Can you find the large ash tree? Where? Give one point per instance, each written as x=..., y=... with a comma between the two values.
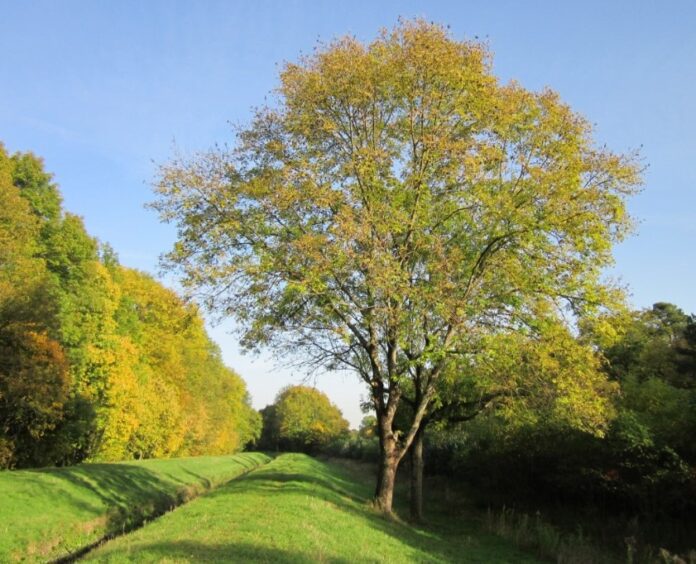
x=392, y=206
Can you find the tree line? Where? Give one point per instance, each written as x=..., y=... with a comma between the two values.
x=98, y=361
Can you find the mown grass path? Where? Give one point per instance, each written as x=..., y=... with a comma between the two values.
x=298, y=509
x=51, y=513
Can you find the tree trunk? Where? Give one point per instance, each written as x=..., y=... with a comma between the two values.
x=416, y=453
x=380, y=466
x=388, y=464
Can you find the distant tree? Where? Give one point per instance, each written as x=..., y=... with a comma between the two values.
x=396, y=202
x=304, y=419
x=368, y=427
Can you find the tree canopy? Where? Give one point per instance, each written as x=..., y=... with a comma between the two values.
x=395, y=206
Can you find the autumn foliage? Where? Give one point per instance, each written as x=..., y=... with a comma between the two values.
x=97, y=360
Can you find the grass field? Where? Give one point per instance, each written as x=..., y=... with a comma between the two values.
x=50, y=513
x=299, y=509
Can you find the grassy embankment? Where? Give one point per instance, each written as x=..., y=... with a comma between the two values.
x=299, y=509
x=50, y=513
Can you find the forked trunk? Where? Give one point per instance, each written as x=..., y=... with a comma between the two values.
x=416, y=453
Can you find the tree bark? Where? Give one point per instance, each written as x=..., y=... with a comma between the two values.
x=416, y=454
x=388, y=464
x=389, y=459
x=392, y=450
x=380, y=466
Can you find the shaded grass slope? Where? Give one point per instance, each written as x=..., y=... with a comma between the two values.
x=299, y=509
x=50, y=513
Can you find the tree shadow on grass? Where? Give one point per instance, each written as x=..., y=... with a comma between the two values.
x=126, y=485
x=101, y=500
x=101, y=488
x=189, y=551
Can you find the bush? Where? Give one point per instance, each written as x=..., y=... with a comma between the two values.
x=356, y=447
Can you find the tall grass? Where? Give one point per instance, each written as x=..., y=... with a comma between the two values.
x=531, y=532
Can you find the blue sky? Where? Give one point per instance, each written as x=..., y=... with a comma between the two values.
x=104, y=90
